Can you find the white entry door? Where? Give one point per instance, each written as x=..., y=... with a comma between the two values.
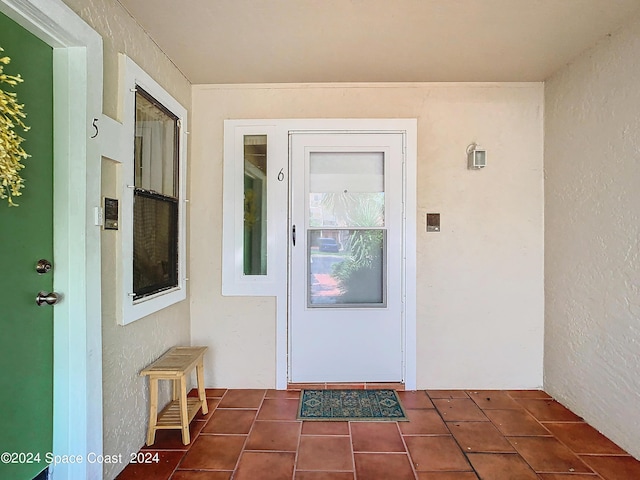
x=345, y=286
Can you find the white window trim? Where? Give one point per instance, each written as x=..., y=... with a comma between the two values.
x=235, y=282
x=133, y=310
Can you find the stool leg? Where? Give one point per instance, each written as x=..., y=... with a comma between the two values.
x=184, y=414
x=175, y=391
x=153, y=410
x=202, y=394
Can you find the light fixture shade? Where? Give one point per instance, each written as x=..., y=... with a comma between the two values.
x=477, y=157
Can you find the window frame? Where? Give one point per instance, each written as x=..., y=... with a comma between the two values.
x=135, y=309
x=234, y=280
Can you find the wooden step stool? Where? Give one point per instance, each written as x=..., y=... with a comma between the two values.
x=176, y=365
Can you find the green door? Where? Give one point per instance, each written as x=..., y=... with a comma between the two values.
x=26, y=236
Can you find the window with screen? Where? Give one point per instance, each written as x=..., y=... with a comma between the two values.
x=155, y=204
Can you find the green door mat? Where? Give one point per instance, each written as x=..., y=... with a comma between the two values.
x=349, y=404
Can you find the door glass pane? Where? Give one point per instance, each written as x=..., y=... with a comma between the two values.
x=346, y=268
x=346, y=189
x=255, y=205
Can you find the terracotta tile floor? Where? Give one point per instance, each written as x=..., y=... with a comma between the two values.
x=451, y=435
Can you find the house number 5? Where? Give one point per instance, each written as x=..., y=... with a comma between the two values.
x=95, y=127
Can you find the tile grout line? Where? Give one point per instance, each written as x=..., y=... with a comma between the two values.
x=196, y=437
x=406, y=447
x=177, y=467
x=552, y=435
x=560, y=441
x=507, y=438
x=295, y=458
x=353, y=453
x=466, y=457
x=246, y=440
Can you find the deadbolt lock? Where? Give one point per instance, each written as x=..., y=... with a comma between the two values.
x=43, y=266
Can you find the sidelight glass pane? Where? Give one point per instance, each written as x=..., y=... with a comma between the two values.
x=346, y=189
x=346, y=268
x=255, y=205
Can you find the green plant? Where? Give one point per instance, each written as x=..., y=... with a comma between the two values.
x=360, y=273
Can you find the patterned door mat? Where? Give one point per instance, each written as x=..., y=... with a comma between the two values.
x=350, y=404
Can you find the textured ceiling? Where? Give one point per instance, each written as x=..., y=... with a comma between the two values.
x=266, y=41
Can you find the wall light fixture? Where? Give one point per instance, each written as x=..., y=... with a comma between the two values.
x=476, y=156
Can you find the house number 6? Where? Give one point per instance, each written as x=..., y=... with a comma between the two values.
x=281, y=175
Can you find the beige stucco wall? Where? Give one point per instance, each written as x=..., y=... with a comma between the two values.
x=480, y=280
x=592, y=232
x=127, y=349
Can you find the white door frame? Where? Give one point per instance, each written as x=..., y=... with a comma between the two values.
x=382, y=359
x=409, y=128
x=77, y=350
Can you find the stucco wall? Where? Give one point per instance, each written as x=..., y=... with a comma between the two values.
x=480, y=280
x=592, y=232
x=126, y=350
